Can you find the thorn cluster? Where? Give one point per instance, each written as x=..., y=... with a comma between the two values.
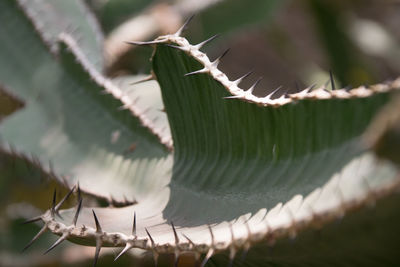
x=211, y=67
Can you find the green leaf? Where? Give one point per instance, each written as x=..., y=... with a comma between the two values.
x=51, y=17
x=70, y=122
x=246, y=156
x=246, y=175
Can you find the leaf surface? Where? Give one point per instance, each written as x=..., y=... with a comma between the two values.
x=245, y=173
x=76, y=130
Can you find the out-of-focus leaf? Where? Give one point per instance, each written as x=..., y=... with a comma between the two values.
x=51, y=17
x=70, y=122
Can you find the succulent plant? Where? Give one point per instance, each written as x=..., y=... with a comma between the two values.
x=190, y=163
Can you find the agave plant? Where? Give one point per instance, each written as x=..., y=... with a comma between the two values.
x=191, y=163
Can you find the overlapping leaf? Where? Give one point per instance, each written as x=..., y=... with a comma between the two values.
x=242, y=174
x=76, y=130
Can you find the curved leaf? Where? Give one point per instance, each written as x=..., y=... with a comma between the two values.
x=247, y=175
x=50, y=18
x=70, y=122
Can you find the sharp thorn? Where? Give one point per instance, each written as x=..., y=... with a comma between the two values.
x=237, y=81
x=200, y=45
x=175, y=234
x=34, y=219
x=297, y=87
x=155, y=254
x=207, y=257
x=189, y=240
x=211, y=234
x=332, y=80
x=251, y=89
x=78, y=209
x=224, y=54
x=309, y=89
x=97, y=252
x=173, y=46
x=145, y=79
x=184, y=26
x=53, y=205
x=79, y=192
x=204, y=70
x=61, y=239
x=218, y=60
x=178, y=47
x=232, y=251
x=233, y=97
x=98, y=227
x=44, y=228
x=57, y=208
x=144, y=43
x=276, y=90
x=127, y=247
x=151, y=239
x=134, y=224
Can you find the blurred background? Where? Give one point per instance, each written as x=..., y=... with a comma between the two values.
x=292, y=44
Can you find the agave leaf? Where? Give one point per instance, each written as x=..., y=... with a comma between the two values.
x=245, y=170
x=74, y=17
x=246, y=175
x=76, y=131
x=146, y=94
